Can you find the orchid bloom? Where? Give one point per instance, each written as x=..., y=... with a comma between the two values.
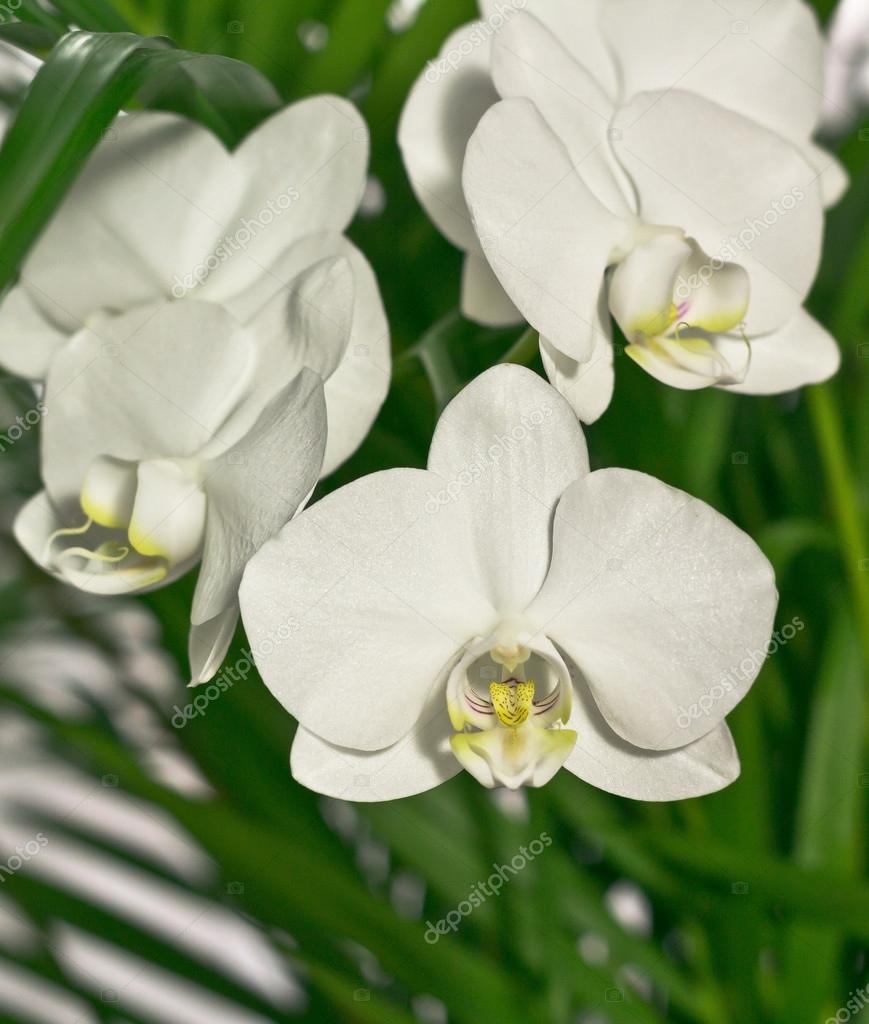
x=509, y=612
x=567, y=148
x=190, y=425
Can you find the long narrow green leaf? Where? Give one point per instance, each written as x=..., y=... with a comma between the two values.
x=828, y=818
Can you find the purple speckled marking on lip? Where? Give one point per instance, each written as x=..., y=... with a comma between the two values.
x=682, y=309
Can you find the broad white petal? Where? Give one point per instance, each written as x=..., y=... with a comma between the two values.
x=305, y=325
x=145, y=211
x=357, y=387
x=603, y=759
x=483, y=297
x=746, y=195
x=29, y=334
x=659, y=600
x=442, y=111
x=763, y=61
x=546, y=236
x=302, y=171
x=507, y=447
x=801, y=353
x=258, y=485
x=208, y=643
x=158, y=382
x=529, y=62
x=355, y=609
x=418, y=762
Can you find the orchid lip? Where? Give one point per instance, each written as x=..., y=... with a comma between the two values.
x=512, y=734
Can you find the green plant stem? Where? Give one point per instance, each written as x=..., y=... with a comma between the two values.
x=829, y=434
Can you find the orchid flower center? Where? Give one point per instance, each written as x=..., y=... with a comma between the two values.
x=142, y=520
x=508, y=733
x=681, y=310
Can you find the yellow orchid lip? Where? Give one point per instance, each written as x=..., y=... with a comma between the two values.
x=513, y=735
x=512, y=700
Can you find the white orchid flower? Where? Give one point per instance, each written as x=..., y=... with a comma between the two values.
x=210, y=345
x=509, y=612
x=557, y=142
x=170, y=435
x=162, y=212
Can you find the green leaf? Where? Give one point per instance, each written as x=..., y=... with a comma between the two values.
x=73, y=99
x=828, y=816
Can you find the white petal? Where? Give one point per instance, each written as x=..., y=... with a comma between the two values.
x=208, y=643
x=605, y=760
x=108, y=492
x=832, y=176
x=145, y=209
x=667, y=362
x=153, y=383
x=483, y=297
x=39, y=519
x=529, y=62
x=744, y=194
x=31, y=332
x=507, y=447
x=763, y=61
x=418, y=762
x=442, y=111
x=642, y=286
x=588, y=386
x=711, y=296
x=355, y=609
x=660, y=602
x=257, y=486
x=575, y=24
x=303, y=170
x=308, y=325
x=801, y=353
x=356, y=389
x=527, y=756
x=544, y=233
x=168, y=516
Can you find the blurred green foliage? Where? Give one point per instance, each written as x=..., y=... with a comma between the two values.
x=759, y=894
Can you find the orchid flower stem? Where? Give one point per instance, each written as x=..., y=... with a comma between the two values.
x=433, y=354
x=830, y=437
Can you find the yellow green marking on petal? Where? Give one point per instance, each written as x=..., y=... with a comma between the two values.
x=512, y=701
